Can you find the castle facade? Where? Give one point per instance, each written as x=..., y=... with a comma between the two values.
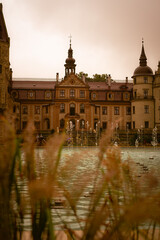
x=55, y=104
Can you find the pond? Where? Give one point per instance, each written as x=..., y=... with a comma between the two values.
x=146, y=159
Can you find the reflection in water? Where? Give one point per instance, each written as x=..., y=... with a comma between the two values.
x=145, y=160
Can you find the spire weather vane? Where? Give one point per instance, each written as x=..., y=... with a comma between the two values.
x=70, y=38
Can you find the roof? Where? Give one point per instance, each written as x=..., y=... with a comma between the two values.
x=23, y=83
x=30, y=84
x=118, y=86
x=3, y=30
x=143, y=71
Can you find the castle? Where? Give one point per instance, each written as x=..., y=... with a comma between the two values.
x=53, y=104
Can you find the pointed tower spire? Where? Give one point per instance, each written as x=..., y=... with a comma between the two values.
x=70, y=61
x=143, y=59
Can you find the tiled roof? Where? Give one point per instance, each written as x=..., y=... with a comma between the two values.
x=114, y=86
x=30, y=84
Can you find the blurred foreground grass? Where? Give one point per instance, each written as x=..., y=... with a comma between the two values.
x=121, y=205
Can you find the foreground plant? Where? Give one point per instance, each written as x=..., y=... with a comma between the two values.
x=121, y=205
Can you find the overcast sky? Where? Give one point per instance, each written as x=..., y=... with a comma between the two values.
x=106, y=35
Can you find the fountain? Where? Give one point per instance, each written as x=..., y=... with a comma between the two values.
x=127, y=131
x=140, y=134
x=69, y=131
x=77, y=138
x=87, y=123
x=82, y=133
x=154, y=137
x=136, y=143
x=97, y=132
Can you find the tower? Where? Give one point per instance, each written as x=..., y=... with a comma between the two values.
x=70, y=62
x=156, y=92
x=143, y=100
x=5, y=71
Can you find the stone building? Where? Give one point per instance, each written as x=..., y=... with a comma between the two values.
x=6, y=102
x=54, y=104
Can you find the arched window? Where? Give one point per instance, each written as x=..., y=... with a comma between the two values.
x=72, y=109
x=82, y=123
x=47, y=123
x=82, y=108
x=62, y=108
x=14, y=108
x=62, y=123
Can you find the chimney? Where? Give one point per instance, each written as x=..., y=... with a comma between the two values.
x=109, y=80
x=84, y=78
x=57, y=77
x=126, y=80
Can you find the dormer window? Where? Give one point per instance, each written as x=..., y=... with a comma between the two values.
x=110, y=96
x=30, y=94
x=94, y=95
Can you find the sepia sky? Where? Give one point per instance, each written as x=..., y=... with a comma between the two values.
x=106, y=35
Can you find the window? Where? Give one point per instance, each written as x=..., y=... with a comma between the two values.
x=146, y=124
x=135, y=94
x=82, y=123
x=116, y=110
x=62, y=108
x=46, y=109
x=134, y=80
x=72, y=92
x=14, y=108
x=72, y=109
x=62, y=123
x=104, y=125
x=94, y=95
x=145, y=79
x=30, y=94
x=37, y=125
x=25, y=109
x=134, y=109
x=133, y=124
x=47, y=123
x=96, y=108
x=110, y=95
x=37, y=109
x=82, y=108
x=48, y=94
x=145, y=93
x=24, y=124
x=128, y=110
x=0, y=68
x=62, y=93
x=104, y=110
x=146, y=108
x=82, y=93
x=125, y=96
x=128, y=125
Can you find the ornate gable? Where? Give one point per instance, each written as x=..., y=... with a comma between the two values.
x=72, y=80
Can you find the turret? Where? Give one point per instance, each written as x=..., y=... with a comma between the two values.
x=70, y=62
